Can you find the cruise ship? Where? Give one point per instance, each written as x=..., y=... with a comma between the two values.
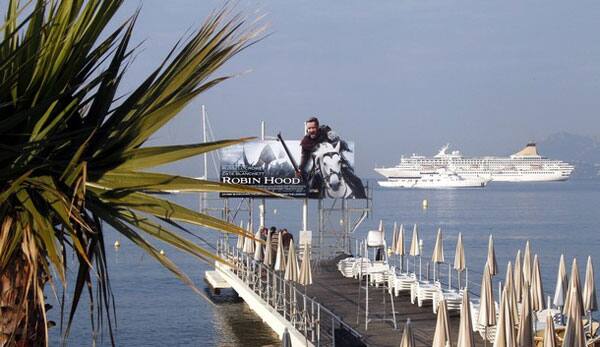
x=524, y=166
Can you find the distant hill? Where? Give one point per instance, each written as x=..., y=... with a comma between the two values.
x=582, y=151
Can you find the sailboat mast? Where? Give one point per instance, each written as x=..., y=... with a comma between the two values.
x=204, y=139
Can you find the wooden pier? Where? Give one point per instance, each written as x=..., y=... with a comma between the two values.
x=341, y=295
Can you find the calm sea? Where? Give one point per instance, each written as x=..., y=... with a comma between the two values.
x=155, y=309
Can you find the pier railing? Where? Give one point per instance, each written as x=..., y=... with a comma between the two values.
x=309, y=317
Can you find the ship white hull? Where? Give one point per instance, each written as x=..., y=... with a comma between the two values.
x=418, y=184
x=516, y=178
x=439, y=179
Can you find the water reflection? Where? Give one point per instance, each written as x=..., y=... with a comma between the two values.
x=236, y=324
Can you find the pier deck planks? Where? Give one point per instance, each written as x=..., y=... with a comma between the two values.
x=340, y=295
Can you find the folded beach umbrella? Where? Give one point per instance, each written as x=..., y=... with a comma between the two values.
x=465, y=327
x=574, y=285
x=305, y=276
x=258, y=248
x=590, y=302
x=549, y=334
x=527, y=264
x=414, y=243
x=291, y=269
x=380, y=225
x=280, y=256
x=408, y=339
x=487, y=306
x=505, y=330
x=518, y=277
x=268, y=259
x=240, y=240
x=460, y=262
x=438, y=253
x=525, y=334
x=510, y=292
x=537, y=291
x=414, y=249
x=562, y=282
x=574, y=334
x=441, y=337
x=438, y=249
x=399, y=246
x=248, y=241
x=491, y=257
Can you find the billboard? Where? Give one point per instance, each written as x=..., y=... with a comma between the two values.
x=328, y=172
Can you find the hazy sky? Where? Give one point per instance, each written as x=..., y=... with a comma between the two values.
x=397, y=76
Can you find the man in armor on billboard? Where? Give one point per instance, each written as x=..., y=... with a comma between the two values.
x=322, y=149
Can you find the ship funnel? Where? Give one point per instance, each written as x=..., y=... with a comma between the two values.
x=529, y=151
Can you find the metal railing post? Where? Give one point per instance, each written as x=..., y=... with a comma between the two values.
x=312, y=320
x=268, y=287
x=333, y=331
x=304, y=301
x=284, y=299
x=318, y=324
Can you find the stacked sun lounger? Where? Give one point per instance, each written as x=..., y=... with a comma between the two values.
x=422, y=291
x=378, y=273
x=453, y=299
x=348, y=266
x=400, y=282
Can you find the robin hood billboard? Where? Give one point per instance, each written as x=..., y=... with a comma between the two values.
x=326, y=173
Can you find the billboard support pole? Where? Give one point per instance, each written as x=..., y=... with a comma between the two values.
x=320, y=227
x=250, y=214
x=261, y=204
x=305, y=214
x=345, y=225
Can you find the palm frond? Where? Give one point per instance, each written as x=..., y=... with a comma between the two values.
x=73, y=155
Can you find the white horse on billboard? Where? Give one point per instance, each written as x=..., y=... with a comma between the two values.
x=329, y=162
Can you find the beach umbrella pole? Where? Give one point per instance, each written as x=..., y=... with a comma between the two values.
x=485, y=337
x=284, y=298
x=358, y=301
x=402, y=263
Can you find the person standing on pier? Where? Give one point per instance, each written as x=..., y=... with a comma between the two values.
x=286, y=237
x=274, y=241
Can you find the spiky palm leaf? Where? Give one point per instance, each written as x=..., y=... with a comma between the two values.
x=72, y=156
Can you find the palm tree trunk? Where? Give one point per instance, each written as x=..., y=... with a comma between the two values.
x=21, y=319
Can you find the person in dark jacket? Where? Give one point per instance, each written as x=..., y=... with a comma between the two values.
x=286, y=237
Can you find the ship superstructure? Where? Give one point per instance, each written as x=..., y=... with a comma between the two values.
x=524, y=166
